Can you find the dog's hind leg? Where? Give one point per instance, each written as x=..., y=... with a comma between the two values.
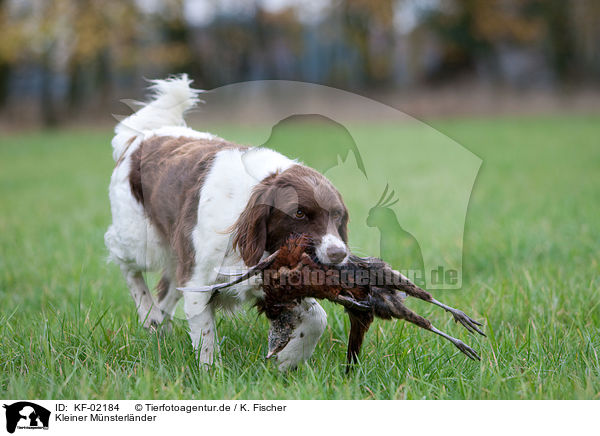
x=168, y=296
x=149, y=313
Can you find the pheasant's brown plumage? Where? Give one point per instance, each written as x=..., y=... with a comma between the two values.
x=295, y=274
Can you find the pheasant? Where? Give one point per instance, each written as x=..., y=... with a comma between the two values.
x=366, y=286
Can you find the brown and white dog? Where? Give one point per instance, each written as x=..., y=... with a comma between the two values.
x=189, y=204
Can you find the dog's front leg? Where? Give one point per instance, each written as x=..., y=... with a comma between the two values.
x=201, y=319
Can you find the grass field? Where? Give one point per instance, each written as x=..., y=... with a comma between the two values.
x=68, y=327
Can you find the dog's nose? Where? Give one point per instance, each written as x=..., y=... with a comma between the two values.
x=335, y=253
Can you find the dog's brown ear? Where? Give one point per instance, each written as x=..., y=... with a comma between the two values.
x=343, y=228
x=250, y=230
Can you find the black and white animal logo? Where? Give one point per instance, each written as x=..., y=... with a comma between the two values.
x=26, y=415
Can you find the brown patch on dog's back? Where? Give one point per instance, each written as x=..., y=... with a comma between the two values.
x=166, y=177
x=135, y=176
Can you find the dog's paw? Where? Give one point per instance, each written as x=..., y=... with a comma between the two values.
x=157, y=321
x=206, y=358
x=165, y=327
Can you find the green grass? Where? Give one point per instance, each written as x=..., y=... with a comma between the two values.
x=68, y=328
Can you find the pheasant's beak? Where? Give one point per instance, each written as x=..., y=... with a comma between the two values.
x=276, y=345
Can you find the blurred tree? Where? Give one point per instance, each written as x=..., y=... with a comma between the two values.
x=172, y=44
x=84, y=40
x=4, y=62
x=471, y=30
x=369, y=27
x=70, y=53
x=585, y=21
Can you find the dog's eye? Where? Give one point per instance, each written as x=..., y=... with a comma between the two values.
x=336, y=216
x=299, y=214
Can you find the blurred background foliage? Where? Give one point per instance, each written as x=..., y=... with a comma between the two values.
x=63, y=58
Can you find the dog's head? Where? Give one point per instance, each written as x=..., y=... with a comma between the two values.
x=298, y=200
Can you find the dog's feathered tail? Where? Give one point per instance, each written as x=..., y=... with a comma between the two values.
x=170, y=99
